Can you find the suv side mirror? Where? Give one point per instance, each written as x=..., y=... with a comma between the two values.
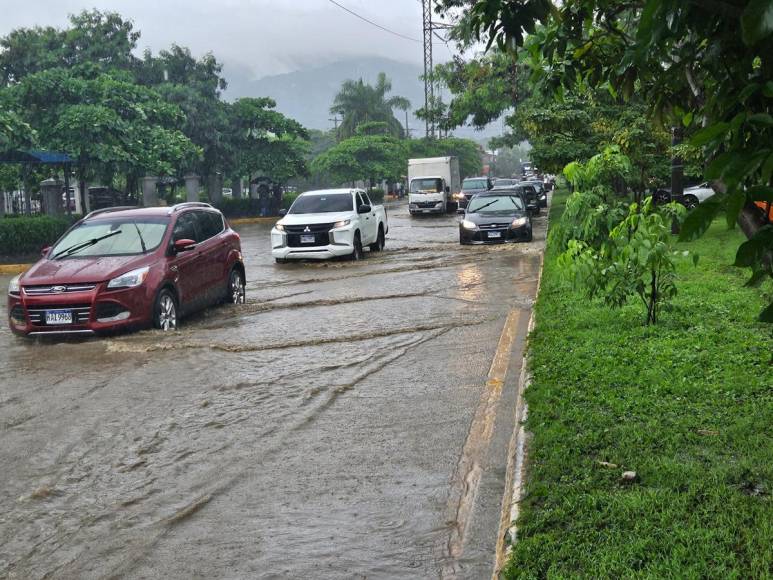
x=183, y=245
x=364, y=208
x=44, y=251
x=282, y=212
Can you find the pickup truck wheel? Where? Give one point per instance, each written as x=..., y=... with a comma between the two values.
x=379, y=245
x=357, y=251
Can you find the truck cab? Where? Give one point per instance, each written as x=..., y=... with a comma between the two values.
x=432, y=184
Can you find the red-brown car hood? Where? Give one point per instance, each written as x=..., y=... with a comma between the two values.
x=81, y=270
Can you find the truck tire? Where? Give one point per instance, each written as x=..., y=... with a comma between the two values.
x=357, y=250
x=379, y=243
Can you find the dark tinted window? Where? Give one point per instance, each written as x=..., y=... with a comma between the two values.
x=210, y=224
x=185, y=228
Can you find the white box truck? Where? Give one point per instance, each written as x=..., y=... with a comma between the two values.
x=432, y=183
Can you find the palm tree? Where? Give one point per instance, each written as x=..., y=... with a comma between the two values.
x=359, y=102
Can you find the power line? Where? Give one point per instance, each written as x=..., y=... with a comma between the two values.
x=385, y=29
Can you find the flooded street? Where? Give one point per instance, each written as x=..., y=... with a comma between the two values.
x=352, y=420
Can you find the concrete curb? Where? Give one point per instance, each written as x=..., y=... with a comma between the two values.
x=253, y=220
x=517, y=452
x=13, y=268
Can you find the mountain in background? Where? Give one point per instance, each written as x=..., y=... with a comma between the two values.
x=306, y=94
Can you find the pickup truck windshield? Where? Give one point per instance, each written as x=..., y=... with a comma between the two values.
x=474, y=184
x=332, y=203
x=427, y=186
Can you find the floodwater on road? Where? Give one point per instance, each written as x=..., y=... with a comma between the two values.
x=344, y=423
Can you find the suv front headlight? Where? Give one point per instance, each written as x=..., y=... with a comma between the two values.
x=468, y=225
x=130, y=279
x=519, y=222
x=14, y=287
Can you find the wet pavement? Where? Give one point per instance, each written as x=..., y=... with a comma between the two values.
x=352, y=420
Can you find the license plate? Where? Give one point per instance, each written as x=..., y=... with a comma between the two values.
x=425, y=211
x=307, y=239
x=494, y=234
x=58, y=316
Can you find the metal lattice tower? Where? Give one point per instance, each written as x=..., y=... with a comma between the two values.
x=429, y=100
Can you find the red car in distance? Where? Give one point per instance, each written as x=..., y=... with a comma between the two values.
x=130, y=267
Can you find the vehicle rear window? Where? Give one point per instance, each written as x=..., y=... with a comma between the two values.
x=474, y=184
x=426, y=185
x=328, y=203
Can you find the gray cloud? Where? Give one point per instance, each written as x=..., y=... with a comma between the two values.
x=254, y=37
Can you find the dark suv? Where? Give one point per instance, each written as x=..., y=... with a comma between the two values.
x=129, y=267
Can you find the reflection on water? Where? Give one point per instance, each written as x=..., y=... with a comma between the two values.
x=470, y=278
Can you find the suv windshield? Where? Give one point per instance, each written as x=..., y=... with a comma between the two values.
x=333, y=202
x=474, y=184
x=495, y=204
x=149, y=230
x=427, y=185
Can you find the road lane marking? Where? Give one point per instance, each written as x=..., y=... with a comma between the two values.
x=467, y=476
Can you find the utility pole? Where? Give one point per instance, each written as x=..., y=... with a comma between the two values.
x=335, y=120
x=429, y=100
x=407, y=130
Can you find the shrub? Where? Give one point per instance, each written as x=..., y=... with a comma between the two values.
x=23, y=235
x=376, y=195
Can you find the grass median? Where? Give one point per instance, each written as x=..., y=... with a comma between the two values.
x=686, y=404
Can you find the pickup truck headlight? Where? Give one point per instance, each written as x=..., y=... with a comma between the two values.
x=341, y=224
x=519, y=222
x=279, y=227
x=14, y=287
x=468, y=225
x=130, y=279
x=458, y=196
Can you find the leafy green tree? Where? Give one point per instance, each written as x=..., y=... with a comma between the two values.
x=468, y=152
x=359, y=102
x=704, y=64
x=263, y=141
x=636, y=260
x=370, y=158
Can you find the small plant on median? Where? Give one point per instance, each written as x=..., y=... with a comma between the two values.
x=635, y=260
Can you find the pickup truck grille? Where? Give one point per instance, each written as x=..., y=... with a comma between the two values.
x=309, y=229
x=426, y=204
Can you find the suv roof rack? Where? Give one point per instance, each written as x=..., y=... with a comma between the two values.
x=109, y=210
x=179, y=206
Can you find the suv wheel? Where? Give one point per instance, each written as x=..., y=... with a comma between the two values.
x=165, y=311
x=236, y=292
x=690, y=201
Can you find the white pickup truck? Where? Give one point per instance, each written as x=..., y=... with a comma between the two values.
x=329, y=223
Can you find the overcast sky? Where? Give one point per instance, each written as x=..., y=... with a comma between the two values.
x=256, y=37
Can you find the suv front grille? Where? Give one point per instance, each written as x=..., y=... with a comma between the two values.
x=80, y=313
x=58, y=289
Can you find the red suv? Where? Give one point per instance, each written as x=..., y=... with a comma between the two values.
x=123, y=267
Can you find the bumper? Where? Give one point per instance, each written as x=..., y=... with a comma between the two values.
x=478, y=236
x=93, y=312
x=341, y=244
x=435, y=207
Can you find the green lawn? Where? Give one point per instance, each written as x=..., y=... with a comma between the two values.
x=687, y=404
